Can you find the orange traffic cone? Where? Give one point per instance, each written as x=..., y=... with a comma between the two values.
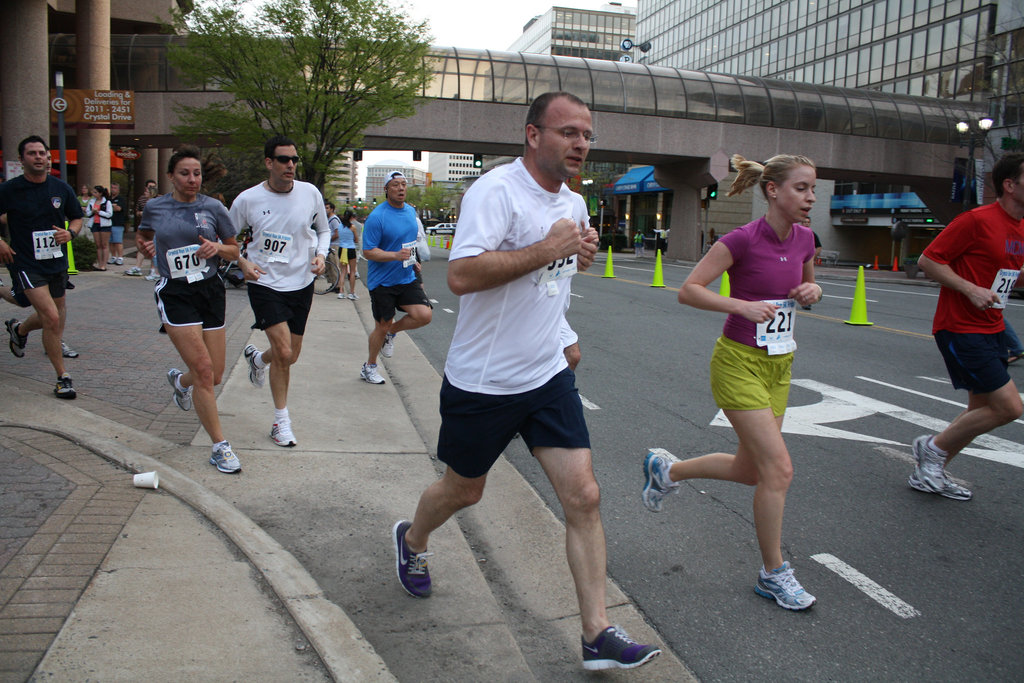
x=876, y=262
x=895, y=264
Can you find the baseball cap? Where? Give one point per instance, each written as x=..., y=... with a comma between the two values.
x=391, y=176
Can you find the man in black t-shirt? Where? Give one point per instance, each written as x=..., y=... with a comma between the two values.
x=43, y=214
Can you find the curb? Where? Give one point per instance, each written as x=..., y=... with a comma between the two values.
x=345, y=653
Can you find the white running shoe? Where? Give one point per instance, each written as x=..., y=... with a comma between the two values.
x=388, y=349
x=353, y=296
x=282, y=435
x=657, y=482
x=153, y=275
x=369, y=374
x=342, y=295
x=258, y=376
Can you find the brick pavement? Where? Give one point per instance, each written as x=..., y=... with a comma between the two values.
x=62, y=509
x=62, y=506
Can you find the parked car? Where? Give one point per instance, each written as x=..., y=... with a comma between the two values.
x=442, y=229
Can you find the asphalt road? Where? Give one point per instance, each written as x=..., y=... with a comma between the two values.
x=910, y=586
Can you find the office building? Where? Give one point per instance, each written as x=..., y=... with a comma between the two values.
x=375, y=176
x=451, y=169
x=594, y=34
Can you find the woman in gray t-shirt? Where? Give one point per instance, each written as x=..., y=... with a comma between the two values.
x=186, y=234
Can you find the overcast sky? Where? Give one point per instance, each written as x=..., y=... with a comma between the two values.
x=481, y=24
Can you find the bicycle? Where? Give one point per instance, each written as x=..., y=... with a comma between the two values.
x=328, y=280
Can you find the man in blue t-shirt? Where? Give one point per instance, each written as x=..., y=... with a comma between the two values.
x=43, y=215
x=389, y=245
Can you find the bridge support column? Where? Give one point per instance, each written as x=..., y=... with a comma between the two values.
x=163, y=183
x=685, y=179
x=93, y=49
x=24, y=57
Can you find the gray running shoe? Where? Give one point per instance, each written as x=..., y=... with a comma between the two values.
x=225, y=459
x=258, y=376
x=949, y=488
x=134, y=270
x=369, y=374
x=780, y=585
x=182, y=399
x=388, y=349
x=929, y=470
x=67, y=351
x=614, y=649
x=353, y=296
x=64, y=388
x=18, y=341
x=656, y=480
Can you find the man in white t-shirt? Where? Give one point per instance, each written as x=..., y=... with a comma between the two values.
x=290, y=240
x=521, y=236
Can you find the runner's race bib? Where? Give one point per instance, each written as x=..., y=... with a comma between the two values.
x=44, y=245
x=777, y=333
x=275, y=247
x=411, y=246
x=184, y=263
x=1006, y=278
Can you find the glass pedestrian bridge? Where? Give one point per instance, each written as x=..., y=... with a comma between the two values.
x=140, y=63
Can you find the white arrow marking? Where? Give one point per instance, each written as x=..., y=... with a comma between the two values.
x=872, y=589
x=839, y=405
x=921, y=393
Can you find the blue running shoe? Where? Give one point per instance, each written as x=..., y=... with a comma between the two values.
x=656, y=480
x=781, y=585
x=411, y=567
x=613, y=649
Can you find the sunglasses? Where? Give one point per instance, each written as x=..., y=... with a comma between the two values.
x=285, y=159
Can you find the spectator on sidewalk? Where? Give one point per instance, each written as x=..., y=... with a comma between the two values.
x=187, y=234
x=117, y=225
x=38, y=206
x=98, y=213
x=976, y=259
x=389, y=245
x=140, y=256
x=285, y=256
x=521, y=233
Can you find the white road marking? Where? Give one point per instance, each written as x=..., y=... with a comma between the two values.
x=434, y=301
x=578, y=296
x=447, y=310
x=939, y=380
x=921, y=393
x=589, y=405
x=869, y=587
x=839, y=405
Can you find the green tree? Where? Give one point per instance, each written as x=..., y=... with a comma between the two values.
x=318, y=71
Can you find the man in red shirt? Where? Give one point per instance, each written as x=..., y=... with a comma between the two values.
x=977, y=260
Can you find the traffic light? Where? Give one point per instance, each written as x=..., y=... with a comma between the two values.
x=357, y=155
x=478, y=161
x=713, y=191
x=417, y=155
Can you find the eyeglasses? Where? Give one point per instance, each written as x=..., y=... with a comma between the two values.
x=285, y=159
x=572, y=133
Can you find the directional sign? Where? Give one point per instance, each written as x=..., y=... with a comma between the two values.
x=58, y=104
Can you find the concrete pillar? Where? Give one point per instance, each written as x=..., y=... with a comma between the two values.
x=147, y=167
x=93, y=52
x=24, y=73
x=686, y=179
x=163, y=183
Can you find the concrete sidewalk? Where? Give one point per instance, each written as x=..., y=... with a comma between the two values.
x=285, y=571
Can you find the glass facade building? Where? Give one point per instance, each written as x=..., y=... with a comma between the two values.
x=932, y=48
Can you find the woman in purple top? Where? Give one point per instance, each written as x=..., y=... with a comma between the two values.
x=771, y=269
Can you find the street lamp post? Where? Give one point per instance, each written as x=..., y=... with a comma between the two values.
x=975, y=137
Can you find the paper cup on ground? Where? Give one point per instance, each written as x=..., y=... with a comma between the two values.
x=147, y=480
